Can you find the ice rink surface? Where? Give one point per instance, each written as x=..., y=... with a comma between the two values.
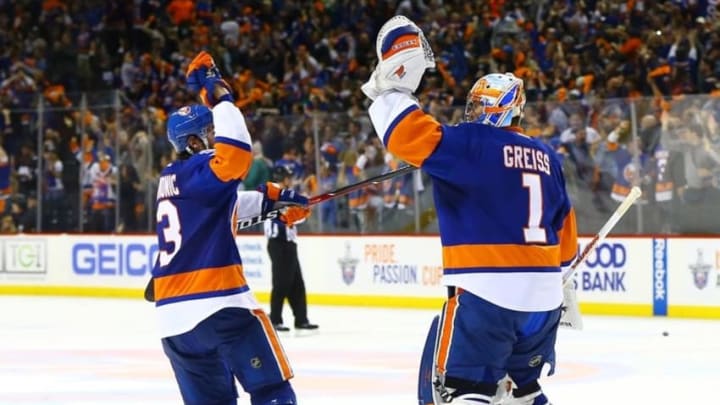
x=74, y=351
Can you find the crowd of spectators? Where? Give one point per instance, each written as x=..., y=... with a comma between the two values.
x=621, y=89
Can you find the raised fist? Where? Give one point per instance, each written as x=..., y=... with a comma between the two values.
x=204, y=78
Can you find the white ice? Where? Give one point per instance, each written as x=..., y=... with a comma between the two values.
x=79, y=351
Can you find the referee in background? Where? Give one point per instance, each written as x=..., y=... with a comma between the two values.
x=287, y=279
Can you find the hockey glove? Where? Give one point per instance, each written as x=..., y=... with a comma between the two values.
x=204, y=78
x=403, y=56
x=275, y=197
x=293, y=215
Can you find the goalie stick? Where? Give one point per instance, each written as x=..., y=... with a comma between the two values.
x=570, y=317
x=629, y=200
x=248, y=222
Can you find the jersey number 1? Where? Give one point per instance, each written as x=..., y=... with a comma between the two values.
x=534, y=233
x=171, y=231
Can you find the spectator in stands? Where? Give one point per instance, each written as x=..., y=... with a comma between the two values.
x=557, y=116
x=294, y=59
x=5, y=176
x=130, y=198
x=26, y=167
x=272, y=135
x=308, y=161
x=24, y=212
x=53, y=192
x=577, y=123
x=291, y=160
x=606, y=168
x=700, y=213
x=259, y=172
x=579, y=155
x=699, y=161
x=398, y=191
x=660, y=176
x=7, y=225
x=104, y=180
x=329, y=209
x=331, y=145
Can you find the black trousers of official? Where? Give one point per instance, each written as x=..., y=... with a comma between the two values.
x=287, y=282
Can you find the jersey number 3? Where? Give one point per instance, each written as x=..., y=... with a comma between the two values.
x=534, y=233
x=171, y=231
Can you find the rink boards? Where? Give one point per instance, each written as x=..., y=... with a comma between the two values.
x=677, y=277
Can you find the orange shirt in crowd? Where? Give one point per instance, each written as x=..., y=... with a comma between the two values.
x=52, y=4
x=181, y=11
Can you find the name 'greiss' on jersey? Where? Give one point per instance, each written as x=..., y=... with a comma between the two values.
x=167, y=187
x=521, y=157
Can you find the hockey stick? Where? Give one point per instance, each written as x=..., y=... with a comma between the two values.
x=629, y=200
x=248, y=222
x=570, y=316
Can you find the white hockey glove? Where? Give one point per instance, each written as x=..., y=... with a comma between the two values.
x=403, y=56
x=570, y=317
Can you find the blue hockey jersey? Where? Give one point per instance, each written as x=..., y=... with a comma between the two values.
x=199, y=269
x=507, y=226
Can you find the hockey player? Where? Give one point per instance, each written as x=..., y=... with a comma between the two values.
x=212, y=327
x=287, y=278
x=506, y=224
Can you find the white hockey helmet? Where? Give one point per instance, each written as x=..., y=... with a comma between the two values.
x=495, y=99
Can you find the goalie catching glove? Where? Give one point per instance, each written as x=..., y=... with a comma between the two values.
x=204, y=78
x=403, y=56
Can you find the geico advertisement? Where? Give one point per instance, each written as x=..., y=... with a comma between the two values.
x=616, y=270
x=133, y=257
x=380, y=265
x=694, y=272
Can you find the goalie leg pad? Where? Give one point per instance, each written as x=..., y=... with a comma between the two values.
x=459, y=391
x=427, y=373
x=530, y=394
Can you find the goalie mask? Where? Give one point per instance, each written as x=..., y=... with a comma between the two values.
x=495, y=99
